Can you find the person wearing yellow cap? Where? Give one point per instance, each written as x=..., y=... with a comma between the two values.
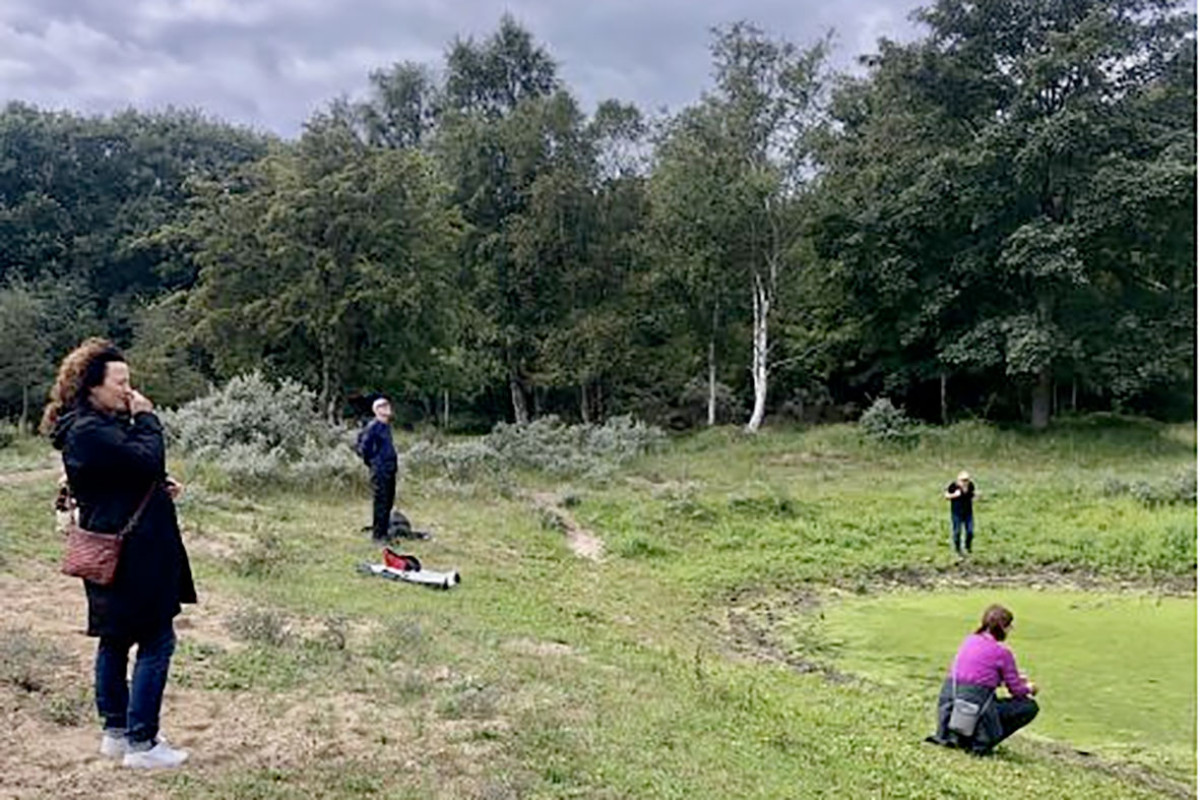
x=961, y=495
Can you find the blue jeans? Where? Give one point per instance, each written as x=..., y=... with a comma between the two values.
x=957, y=524
x=128, y=709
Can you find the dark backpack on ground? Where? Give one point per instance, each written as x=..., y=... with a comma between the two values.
x=399, y=525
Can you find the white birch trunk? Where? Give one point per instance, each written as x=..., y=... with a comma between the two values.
x=759, y=367
x=520, y=409
x=712, y=382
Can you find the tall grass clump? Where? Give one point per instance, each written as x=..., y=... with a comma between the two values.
x=28, y=662
x=260, y=433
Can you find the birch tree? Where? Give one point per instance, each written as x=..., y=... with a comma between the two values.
x=735, y=166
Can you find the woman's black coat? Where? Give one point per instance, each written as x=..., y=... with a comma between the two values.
x=111, y=461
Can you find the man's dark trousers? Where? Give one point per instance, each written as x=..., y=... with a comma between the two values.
x=383, y=482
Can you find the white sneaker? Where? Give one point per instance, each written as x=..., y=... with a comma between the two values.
x=113, y=745
x=161, y=756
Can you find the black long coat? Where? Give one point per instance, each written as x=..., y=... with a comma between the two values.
x=111, y=461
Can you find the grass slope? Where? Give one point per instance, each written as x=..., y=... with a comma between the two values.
x=620, y=679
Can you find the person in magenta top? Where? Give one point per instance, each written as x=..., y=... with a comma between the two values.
x=982, y=664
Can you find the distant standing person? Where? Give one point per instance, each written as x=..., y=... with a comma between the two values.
x=114, y=455
x=379, y=453
x=961, y=495
x=981, y=665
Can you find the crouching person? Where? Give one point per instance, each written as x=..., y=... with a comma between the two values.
x=969, y=715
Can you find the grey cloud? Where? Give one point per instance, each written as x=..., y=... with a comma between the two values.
x=271, y=63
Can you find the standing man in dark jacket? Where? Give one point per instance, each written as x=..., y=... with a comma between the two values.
x=379, y=453
x=961, y=495
x=115, y=457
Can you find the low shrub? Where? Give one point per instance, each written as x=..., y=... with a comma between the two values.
x=265, y=556
x=248, y=411
x=471, y=702
x=259, y=626
x=548, y=445
x=463, y=462
x=334, y=633
x=8, y=434
x=261, y=433
x=69, y=708
x=28, y=662
x=640, y=547
x=693, y=402
x=770, y=506
x=1178, y=489
x=884, y=422
x=257, y=433
x=544, y=445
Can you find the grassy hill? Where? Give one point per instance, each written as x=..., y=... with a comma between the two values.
x=714, y=649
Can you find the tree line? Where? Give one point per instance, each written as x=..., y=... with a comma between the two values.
x=996, y=219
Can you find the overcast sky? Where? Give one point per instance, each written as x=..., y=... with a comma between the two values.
x=270, y=63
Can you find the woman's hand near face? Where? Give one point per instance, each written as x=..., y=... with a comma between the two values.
x=138, y=402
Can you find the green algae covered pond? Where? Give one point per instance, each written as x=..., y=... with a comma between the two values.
x=1116, y=671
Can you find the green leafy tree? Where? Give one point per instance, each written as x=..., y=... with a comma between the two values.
x=970, y=202
x=333, y=264
x=509, y=139
x=688, y=236
x=401, y=111
x=80, y=196
x=24, y=361
x=169, y=364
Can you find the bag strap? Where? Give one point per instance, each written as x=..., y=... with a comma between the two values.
x=954, y=686
x=137, y=515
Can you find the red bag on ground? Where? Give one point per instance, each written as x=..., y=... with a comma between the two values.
x=400, y=561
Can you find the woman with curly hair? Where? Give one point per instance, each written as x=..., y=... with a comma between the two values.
x=115, y=459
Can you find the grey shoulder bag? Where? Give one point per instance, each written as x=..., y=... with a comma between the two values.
x=964, y=715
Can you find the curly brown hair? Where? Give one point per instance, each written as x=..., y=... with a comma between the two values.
x=82, y=369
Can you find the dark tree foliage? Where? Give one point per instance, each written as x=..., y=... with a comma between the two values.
x=996, y=219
